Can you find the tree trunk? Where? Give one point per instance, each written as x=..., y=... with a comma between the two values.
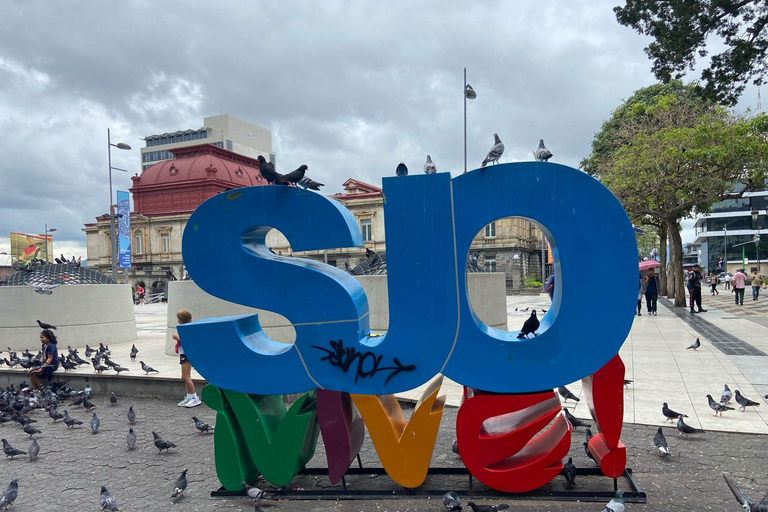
x=663, y=258
x=676, y=262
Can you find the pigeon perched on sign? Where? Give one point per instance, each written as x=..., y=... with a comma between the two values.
x=429, y=166
x=308, y=183
x=742, y=498
x=452, y=501
x=10, y=494
x=33, y=450
x=696, y=344
x=530, y=326
x=744, y=402
x=718, y=408
x=107, y=500
x=267, y=170
x=162, y=444
x=542, y=154
x=660, y=442
x=566, y=393
x=726, y=395
x=669, y=414
x=131, y=439
x=616, y=504
x=179, y=485
x=569, y=472
x=402, y=169
x=10, y=451
x=686, y=429
x=495, y=153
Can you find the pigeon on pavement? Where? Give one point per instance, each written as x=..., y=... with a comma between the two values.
x=660, y=442
x=725, y=397
x=575, y=422
x=255, y=494
x=33, y=450
x=686, y=429
x=495, y=153
x=569, y=472
x=429, y=166
x=487, y=508
x=696, y=344
x=201, y=426
x=88, y=405
x=530, y=326
x=29, y=429
x=402, y=169
x=131, y=415
x=542, y=154
x=566, y=394
x=148, y=369
x=616, y=504
x=180, y=485
x=54, y=414
x=162, y=444
x=113, y=399
x=44, y=325
x=452, y=501
x=744, y=402
x=10, y=451
x=669, y=414
x=718, y=408
x=742, y=498
x=107, y=500
x=95, y=422
x=10, y=494
x=131, y=439
x=70, y=421
x=134, y=351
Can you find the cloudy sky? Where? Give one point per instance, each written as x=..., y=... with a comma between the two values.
x=349, y=88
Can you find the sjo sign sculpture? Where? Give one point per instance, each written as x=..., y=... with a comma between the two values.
x=430, y=221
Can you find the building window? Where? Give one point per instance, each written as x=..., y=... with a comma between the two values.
x=229, y=145
x=490, y=263
x=490, y=232
x=365, y=225
x=165, y=241
x=138, y=241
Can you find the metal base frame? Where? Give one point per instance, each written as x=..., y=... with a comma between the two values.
x=635, y=494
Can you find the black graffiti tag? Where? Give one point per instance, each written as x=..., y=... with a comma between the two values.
x=368, y=363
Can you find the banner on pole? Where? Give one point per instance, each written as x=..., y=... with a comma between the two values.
x=124, y=228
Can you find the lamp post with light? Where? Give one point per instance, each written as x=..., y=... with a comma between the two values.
x=112, y=237
x=47, y=230
x=756, y=237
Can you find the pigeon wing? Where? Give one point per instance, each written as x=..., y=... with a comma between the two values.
x=738, y=493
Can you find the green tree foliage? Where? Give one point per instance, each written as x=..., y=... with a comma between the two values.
x=666, y=152
x=682, y=29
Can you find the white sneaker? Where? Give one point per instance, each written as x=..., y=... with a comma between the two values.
x=193, y=402
x=184, y=402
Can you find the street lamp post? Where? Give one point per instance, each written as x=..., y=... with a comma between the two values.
x=725, y=247
x=47, y=230
x=756, y=238
x=112, y=237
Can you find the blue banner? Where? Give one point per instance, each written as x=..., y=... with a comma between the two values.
x=124, y=228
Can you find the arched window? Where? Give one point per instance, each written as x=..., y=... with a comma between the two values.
x=138, y=241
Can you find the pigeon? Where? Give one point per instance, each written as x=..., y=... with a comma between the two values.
x=44, y=289
x=148, y=369
x=113, y=399
x=134, y=351
x=589, y=454
x=744, y=402
x=88, y=405
x=616, y=504
x=131, y=439
x=10, y=451
x=452, y=501
x=292, y=177
x=542, y=154
x=98, y=368
x=119, y=369
x=566, y=393
x=33, y=450
x=202, y=427
x=745, y=502
x=29, y=429
x=307, y=183
x=487, y=508
x=429, y=166
x=574, y=421
x=107, y=500
x=530, y=326
x=179, y=485
x=660, y=442
x=10, y=494
x=267, y=170
x=455, y=447
x=255, y=494
x=95, y=422
x=587, y=434
x=669, y=414
x=569, y=472
x=71, y=421
x=725, y=397
x=44, y=325
x=88, y=351
x=718, y=408
x=696, y=344
x=54, y=414
x=401, y=170
x=131, y=415
x=162, y=444
x=627, y=382
x=686, y=429
x=495, y=153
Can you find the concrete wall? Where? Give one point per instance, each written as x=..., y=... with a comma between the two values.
x=84, y=313
x=486, y=291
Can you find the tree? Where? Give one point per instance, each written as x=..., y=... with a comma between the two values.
x=667, y=151
x=682, y=30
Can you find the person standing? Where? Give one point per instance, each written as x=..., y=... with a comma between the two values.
x=739, y=283
x=549, y=285
x=50, y=356
x=140, y=293
x=183, y=316
x=727, y=280
x=757, y=283
x=651, y=291
x=694, y=287
x=714, y=282
x=641, y=294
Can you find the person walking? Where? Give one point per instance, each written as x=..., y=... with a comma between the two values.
x=641, y=294
x=714, y=282
x=651, y=291
x=549, y=286
x=140, y=292
x=739, y=283
x=183, y=316
x=757, y=283
x=694, y=287
x=50, y=356
x=727, y=280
